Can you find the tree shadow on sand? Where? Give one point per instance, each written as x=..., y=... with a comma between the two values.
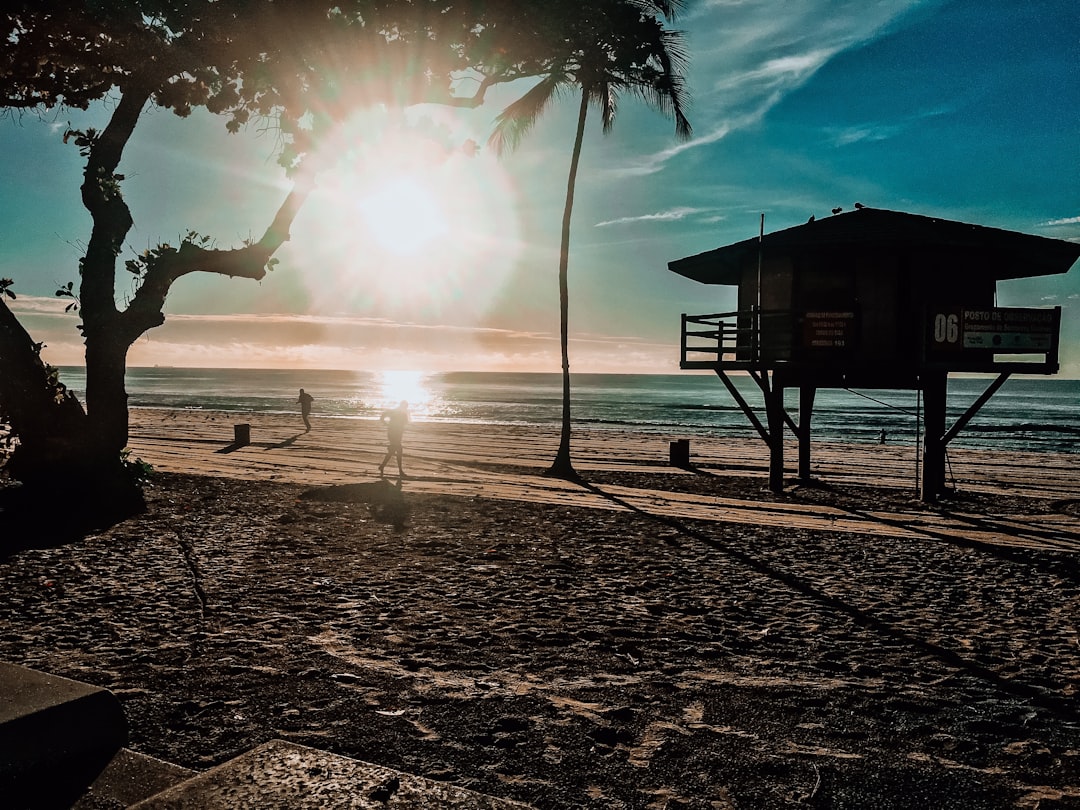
x=33, y=518
x=386, y=500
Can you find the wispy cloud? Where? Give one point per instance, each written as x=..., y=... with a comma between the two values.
x=1056, y=223
x=650, y=164
x=671, y=215
x=782, y=72
x=870, y=132
x=761, y=56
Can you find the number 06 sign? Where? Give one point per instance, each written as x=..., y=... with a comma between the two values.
x=1015, y=331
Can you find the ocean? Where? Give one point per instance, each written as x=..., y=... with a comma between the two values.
x=1029, y=414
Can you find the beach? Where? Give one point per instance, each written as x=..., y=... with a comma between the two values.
x=649, y=637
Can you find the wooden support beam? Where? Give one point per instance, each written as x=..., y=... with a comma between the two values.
x=682, y=346
x=806, y=412
x=934, y=387
x=975, y=407
x=774, y=409
x=775, y=415
x=743, y=405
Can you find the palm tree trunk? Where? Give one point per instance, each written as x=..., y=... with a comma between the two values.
x=562, y=467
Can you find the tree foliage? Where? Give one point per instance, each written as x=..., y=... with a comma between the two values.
x=304, y=64
x=611, y=48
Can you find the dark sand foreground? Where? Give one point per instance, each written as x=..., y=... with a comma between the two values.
x=650, y=638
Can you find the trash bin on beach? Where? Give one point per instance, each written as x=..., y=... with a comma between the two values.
x=679, y=453
x=241, y=434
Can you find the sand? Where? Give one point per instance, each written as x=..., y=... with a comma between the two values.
x=648, y=638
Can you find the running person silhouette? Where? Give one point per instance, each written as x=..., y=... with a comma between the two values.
x=396, y=419
x=305, y=401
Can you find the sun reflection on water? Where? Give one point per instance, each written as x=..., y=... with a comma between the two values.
x=393, y=387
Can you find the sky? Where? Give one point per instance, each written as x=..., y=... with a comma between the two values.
x=411, y=254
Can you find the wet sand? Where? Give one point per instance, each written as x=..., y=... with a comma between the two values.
x=651, y=637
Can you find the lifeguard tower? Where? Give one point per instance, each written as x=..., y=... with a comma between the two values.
x=872, y=299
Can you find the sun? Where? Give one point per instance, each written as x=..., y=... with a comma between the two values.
x=403, y=214
x=404, y=223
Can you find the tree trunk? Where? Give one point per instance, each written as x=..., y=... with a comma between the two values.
x=70, y=456
x=63, y=450
x=563, y=467
x=105, y=333
x=106, y=394
x=70, y=483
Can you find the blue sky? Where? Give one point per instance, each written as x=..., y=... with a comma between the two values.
x=964, y=110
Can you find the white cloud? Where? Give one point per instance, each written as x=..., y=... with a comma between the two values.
x=33, y=304
x=650, y=164
x=1054, y=223
x=881, y=132
x=671, y=215
x=783, y=72
x=869, y=133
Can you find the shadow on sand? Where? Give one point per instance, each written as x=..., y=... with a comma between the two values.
x=283, y=444
x=960, y=661
x=33, y=518
x=386, y=500
x=232, y=447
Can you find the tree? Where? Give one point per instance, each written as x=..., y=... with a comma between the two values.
x=615, y=47
x=299, y=65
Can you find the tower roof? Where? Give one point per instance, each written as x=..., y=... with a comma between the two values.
x=994, y=253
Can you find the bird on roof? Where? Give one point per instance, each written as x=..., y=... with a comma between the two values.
x=837, y=210
x=859, y=206
x=810, y=220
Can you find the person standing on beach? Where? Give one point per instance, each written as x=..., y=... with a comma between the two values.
x=396, y=419
x=305, y=401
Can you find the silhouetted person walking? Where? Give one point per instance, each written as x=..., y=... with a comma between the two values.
x=305, y=401
x=396, y=419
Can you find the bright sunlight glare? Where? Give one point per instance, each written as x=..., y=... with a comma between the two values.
x=404, y=386
x=407, y=224
x=402, y=215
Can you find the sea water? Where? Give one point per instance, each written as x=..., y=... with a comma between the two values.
x=1030, y=414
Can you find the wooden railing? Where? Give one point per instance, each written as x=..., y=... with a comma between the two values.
x=994, y=340
x=735, y=337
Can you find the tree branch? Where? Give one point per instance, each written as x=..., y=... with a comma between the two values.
x=477, y=99
x=112, y=219
x=145, y=310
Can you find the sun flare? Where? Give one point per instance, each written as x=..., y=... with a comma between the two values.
x=404, y=386
x=403, y=214
x=407, y=224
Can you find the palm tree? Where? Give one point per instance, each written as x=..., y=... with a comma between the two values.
x=617, y=46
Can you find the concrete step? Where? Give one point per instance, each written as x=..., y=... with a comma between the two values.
x=61, y=747
x=286, y=776
x=129, y=778
x=56, y=737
